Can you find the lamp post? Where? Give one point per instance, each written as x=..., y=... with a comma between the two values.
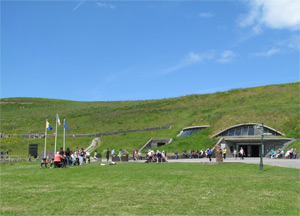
x=261, y=127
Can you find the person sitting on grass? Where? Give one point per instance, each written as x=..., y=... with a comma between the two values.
x=193, y=153
x=57, y=160
x=279, y=154
x=201, y=153
x=189, y=154
x=158, y=155
x=151, y=156
x=271, y=153
x=163, y=154
x=197, y=154
x=291, y=153
x=287, y=154
x=274, y=154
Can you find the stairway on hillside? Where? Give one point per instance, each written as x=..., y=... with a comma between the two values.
x=95, y=143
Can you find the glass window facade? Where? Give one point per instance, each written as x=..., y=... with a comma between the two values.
x=248, y=131
x=190, y=131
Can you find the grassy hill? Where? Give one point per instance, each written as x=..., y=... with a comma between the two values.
x=276, y=105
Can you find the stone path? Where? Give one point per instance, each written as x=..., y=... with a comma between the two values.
x=291, y=163
x=95, y=144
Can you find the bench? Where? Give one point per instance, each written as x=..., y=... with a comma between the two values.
x=44, y=162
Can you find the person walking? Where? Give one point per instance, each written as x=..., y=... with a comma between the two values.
x=95, y=155
x=224, y=153
x=242, y=153
x=234, y=154
x=209, y=153
x=107, y=154
x=135, y=155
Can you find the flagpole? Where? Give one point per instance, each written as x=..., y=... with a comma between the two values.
x=64, y=134
x=45, y=139
x=55, y=136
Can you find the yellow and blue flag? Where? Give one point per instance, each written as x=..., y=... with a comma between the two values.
x=48, y=126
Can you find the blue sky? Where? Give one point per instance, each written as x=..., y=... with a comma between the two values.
x=136, y=50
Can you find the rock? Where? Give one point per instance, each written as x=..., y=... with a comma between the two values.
x=219, y=158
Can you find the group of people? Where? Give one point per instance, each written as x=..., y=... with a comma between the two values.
x=1, y=154
x=240, y=153
x=113, y=154
x=290, y=154
x=65, y=158
x=159, y=156
x=195, y=154
x=208, y=154
x=137, y=155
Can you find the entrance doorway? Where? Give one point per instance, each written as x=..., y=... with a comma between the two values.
x=251, y=149
x=255, y=150
x=160, y=144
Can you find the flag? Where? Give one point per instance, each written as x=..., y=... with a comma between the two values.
x=58, y=121
x=49, y=126
x=65, y=126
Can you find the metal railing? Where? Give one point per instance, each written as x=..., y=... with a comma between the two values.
x=11, y=158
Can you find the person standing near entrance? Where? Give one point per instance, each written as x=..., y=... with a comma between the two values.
x=224, y=153
x=107, y=154
x=234, y=153
x=242, y=153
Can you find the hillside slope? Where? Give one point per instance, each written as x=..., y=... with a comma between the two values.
x=276, y=105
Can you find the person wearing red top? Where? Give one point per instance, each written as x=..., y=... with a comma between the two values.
x=57, y=160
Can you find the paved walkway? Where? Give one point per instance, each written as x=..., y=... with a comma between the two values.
x=291, y=163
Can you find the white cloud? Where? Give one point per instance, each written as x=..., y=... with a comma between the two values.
x=190, y=58
x=276, y=14
x=293, y=42
x=268, y=52
x=78, y=5
x=227, y=56
x=206, y=15
x=100, y=4
x=193, y=58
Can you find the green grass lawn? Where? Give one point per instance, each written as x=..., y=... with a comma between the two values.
x=149, y=189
